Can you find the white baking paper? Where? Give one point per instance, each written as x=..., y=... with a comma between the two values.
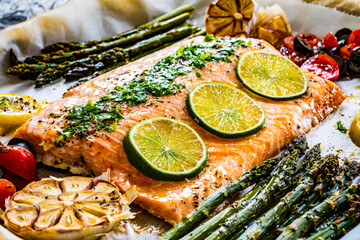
x=83, y=20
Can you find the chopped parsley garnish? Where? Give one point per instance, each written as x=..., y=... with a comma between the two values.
x=159, y=80
x=341, y=127
x=99, y=116
x=4, y=100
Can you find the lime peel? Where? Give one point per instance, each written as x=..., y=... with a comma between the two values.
x=165, y=149
x=225, y=111
x=271, y=75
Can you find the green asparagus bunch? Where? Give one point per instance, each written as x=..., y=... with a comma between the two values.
x=84, y=60
x=304, y=196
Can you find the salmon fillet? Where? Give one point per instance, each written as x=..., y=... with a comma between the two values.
x=228, y=158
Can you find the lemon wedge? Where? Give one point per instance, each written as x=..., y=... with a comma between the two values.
x=15, y=110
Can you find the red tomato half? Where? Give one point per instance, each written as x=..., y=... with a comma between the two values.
x=330, y=41
x=345, y=51
x=322, y=65
x=289, y=43
x=311, y=39
x=297, y=58
x=18, y=160
x=354, y=37
x=18, y=181
x=7, y=189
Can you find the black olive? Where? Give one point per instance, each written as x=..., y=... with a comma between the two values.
x=302, y=47
x=317, y=51
x=322, y=48
x=22, y=143
x=1, y=172
x=334, y=51
x=342, y=43
x=343, y=34
x=341, y=63
x=353, y=63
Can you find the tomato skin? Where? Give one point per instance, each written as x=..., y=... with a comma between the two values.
x=330, y=41
x=345, y=51
x=311, y=39
x=18, y=181
x=18, y=160
x=298, y=59
x=289, y=43
x=322, y=65
x=7, y=189
x=354, y=37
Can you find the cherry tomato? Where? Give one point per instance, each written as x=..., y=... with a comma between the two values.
x=345, y=51
x=18, y=160
x=311, y=39
x=322, y=65
x=289, y=42
x=354, y=37
x=297, y=58
x=330, y=41
x=7, y=189
x=18, y=181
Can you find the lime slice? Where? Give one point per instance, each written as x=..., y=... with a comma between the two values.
x=165, y=149
x=224, y=110
x=271, y=75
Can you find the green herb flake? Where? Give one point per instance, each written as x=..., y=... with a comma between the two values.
x=209, y=38
x=4, y=100
x=341, y=127
x=198, y=74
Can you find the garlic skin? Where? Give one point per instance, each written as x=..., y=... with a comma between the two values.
x=271, y=25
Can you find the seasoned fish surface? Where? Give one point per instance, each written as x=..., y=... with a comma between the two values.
x=228, y=158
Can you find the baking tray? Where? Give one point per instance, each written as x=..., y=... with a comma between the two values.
x=92, y=19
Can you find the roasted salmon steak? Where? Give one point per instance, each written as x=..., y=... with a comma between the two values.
x=97, y=151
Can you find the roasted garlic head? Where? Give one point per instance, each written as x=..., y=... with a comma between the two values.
x=229, y=17
x=67, y=208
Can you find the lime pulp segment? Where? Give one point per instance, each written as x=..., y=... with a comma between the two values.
x=165, y=149
x=271, y=75
x=224, y=110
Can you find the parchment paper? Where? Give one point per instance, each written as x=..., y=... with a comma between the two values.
x=92, y=19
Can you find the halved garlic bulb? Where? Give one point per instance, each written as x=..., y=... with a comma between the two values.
x=67, y=208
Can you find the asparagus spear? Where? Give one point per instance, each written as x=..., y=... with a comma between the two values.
x=81, y=79
x=204, y=230
x=254, y=175
x=340, y=226
x=116, y=55
x=25, y=69
x=72, y=46
x=13, y=58
x=277, y=213
x=277, y=186
x=160, y=27
x=313, y=217
x=84, y=75
x=334, y=179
